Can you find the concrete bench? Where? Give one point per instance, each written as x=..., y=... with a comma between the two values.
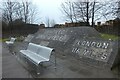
x=37, y=53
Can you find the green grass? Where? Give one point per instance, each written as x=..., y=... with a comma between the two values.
x=3, y=40
x=108, y=36
x=104, y=36
x=7, y=39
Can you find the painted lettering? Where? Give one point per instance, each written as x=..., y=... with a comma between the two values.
x=88, y=43
x=74, y=50
x=104, y=56
x=83, y=43
x=105, y=45
x=85, y=52
x=99, y=45
x=93, y=44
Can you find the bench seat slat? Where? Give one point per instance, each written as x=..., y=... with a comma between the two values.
x=8, y=42
x=35, y=58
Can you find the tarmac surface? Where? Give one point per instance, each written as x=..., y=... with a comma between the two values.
x=15, y=66
x=11, y=68
x=0, y=60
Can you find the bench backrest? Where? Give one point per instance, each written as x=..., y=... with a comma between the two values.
x=40, y=50
x=33, y=47
x=44, y=51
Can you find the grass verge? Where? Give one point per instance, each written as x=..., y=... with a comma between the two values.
x=3, y=40
x=109, y=36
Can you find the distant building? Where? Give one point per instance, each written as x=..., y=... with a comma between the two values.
x=42, y=25
x=59, y=25
x=113, y=23
x=75, y=24
x=98, y=23
x=109, y=23
x=110, y=27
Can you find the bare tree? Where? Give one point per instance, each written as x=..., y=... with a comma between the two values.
x=19, y=11
x=9, y=11
x=52, y=23
x=25, y=10
x=47, y=21
x=89, y=10
x=93, y=12
x=115, y=5
x=118, y=10
x=68, y=10
x=76, y=11
x=16, y=10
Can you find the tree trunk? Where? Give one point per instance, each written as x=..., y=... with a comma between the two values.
x=93, y=14
x=87, y=13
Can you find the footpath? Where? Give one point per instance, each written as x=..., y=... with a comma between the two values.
x=11, y=68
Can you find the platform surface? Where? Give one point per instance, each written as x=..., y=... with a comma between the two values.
x=66, y=67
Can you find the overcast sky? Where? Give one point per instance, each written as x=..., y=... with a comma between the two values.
x=49, y=9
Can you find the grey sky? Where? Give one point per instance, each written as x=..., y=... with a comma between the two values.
x=49, y=8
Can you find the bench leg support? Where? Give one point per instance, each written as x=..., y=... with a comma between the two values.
x=55, y=60
x=38, y=69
